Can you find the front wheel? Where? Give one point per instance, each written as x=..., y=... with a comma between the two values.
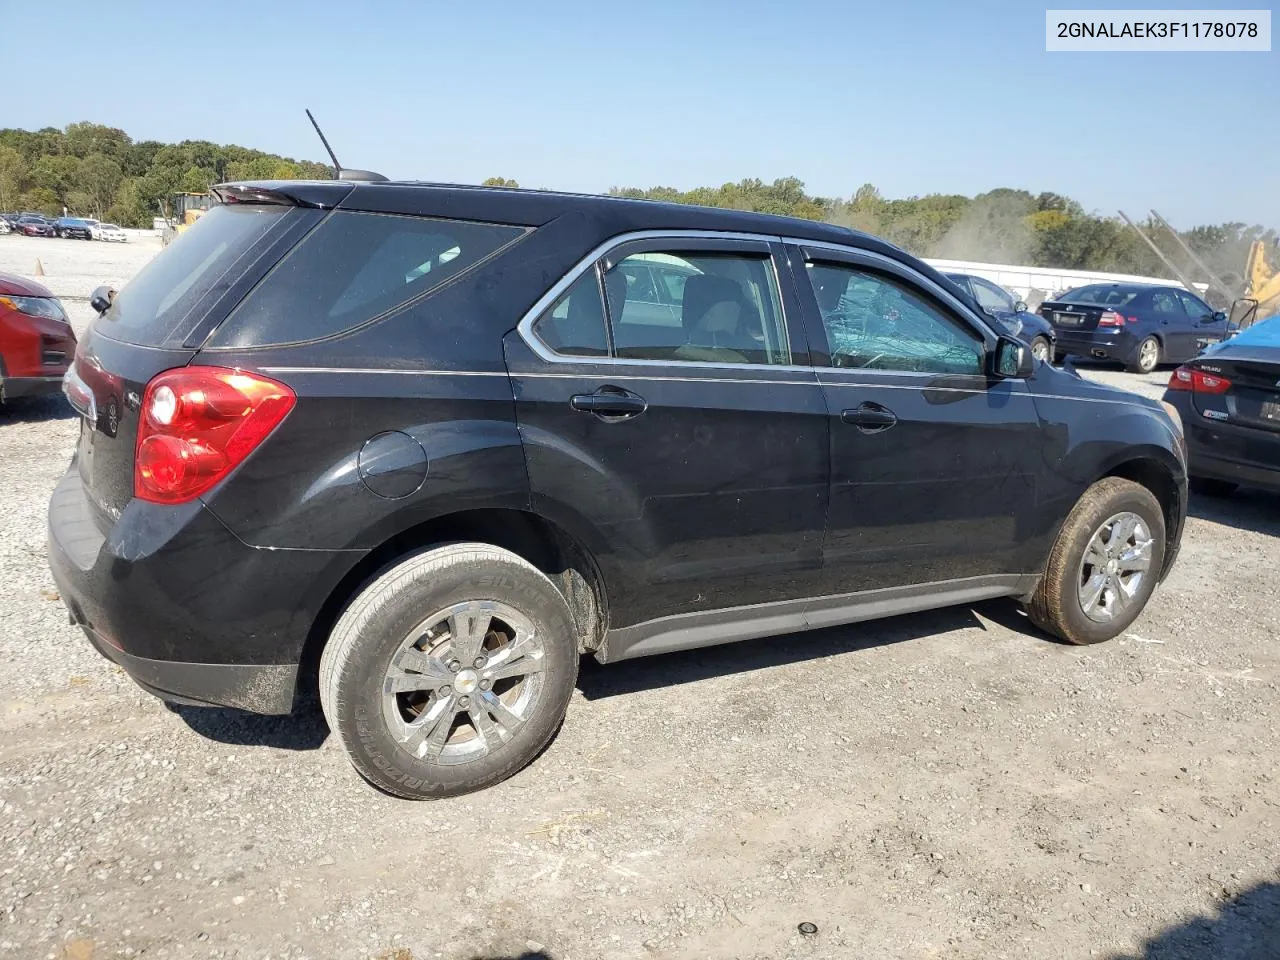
x=450, y=672
x=1103, y=566
x=1147, y=357
x=1040, y=349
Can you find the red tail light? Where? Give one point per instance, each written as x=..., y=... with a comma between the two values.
x=1197, y=381
x=197, y=424
x=1110, y=318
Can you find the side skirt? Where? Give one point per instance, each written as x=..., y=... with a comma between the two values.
x=705, y=628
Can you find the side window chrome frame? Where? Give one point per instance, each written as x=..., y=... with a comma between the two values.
x=601, y=254
x=878, y=261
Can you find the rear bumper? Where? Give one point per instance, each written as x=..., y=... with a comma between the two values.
x=1114, y=345
x=258, y=688
x=190, y=611
x=13, y=387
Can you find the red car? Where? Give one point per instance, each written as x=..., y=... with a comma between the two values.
x=34, y=227
x=37, y=343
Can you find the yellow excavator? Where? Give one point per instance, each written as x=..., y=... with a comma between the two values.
x=184, y=210
x=1262, y=294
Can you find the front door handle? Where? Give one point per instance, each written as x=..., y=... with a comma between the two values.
x=870, y=417
x=610, y=403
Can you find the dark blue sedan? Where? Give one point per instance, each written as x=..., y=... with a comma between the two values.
x=1012, y=314
x=1138, y=324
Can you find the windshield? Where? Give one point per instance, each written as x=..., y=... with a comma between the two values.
x=1103, y=294
x=152, y=306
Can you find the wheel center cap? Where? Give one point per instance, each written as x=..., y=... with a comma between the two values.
x=1113, y=565
x=466, y=681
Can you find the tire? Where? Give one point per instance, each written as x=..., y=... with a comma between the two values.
x=369, y=644
x=1147, y=356
x=1041, y=349
x=1212, y=487
x=1058, y=605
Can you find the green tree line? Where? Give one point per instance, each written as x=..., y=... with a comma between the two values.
x=97, y=171
x=1000, y=226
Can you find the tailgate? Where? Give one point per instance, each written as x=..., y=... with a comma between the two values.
x=156, y=323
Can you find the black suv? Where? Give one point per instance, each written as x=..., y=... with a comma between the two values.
x=437, y=441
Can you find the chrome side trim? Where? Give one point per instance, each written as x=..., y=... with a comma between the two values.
x=384, y=370
x=649, y=378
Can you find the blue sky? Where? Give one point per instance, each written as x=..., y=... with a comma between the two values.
x=913, y=97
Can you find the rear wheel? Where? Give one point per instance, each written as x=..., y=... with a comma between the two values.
x=1040, y=349
x=1104, y=564
x=450, y=672
x=1147, y=357
x=1211, y=487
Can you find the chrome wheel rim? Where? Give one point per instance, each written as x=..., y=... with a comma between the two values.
x=1114, y=567
x=463, y=682
x=1040, y=350
x=1150, y=350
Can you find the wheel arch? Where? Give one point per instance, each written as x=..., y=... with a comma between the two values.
x=1151, y=469
x=546, y=545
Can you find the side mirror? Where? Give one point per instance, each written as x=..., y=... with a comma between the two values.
x=1012, y=360
x=1021, y=307
x=101, y=299
x=1218, y=317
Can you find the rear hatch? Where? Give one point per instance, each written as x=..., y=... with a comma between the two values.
x=1068, y=317
x=158, y=322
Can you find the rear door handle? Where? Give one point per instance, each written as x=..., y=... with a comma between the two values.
x=610, y=402
x=870, y=417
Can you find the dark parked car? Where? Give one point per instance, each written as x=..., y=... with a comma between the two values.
x=1137, y=324
x=1229, y=399
x=425, y=441
x=34, y=227
x=1012, y=313
x=36, y=341
x=73, y=228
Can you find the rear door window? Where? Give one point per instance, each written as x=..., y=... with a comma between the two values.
x=1162, y=301
x=353, y=268
x=153, y=306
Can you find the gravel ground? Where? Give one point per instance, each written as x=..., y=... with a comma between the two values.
x=950, y=784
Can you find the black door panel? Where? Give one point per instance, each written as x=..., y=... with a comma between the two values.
x=715, y=496
x=932, y=462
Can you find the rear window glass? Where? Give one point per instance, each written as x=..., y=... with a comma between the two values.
x=1103, y=294
x=153, y=304
x=354, y=267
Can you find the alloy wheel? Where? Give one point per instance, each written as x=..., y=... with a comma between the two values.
x=1115, y=564
x=463, y=682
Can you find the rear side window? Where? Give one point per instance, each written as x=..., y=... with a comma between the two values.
x=354, y=267
x=574, y=326
x=153, y=305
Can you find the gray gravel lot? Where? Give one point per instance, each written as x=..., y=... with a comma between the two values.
x=951, y=784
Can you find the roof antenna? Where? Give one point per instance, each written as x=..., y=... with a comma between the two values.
x=339, y=172
x=337, y=167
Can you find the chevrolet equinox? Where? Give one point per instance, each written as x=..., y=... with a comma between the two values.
x=432, y=443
